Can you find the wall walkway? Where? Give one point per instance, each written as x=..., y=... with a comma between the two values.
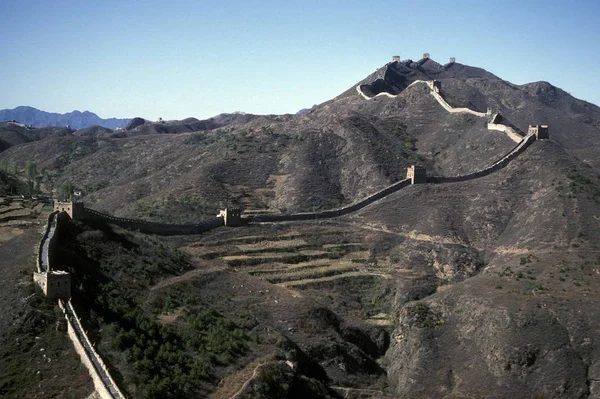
x=103, y=382
x=43, y=258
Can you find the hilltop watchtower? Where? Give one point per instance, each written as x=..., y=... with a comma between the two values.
x=425, y=55
x=74, y=209
x=54, y=284
x=231, y=216
x=417, y=174
x=540, y=131
x=452, y=60
x=396, y=58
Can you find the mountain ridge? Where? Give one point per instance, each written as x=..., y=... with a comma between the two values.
x=75, y=119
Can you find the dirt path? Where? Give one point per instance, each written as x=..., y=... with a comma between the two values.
x=248, y=381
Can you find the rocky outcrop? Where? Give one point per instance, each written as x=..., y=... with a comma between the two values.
x=474, y=346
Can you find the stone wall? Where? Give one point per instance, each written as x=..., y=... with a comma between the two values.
x=383, y=93
x=434, y=90
x=43, y=260
x=54, y=283
x=45, y=277
x=501, y=163
x=434, y=93
x=152, y=227
x=333, y=212
x=492, y=125
x=103, y=382
x=448, y=108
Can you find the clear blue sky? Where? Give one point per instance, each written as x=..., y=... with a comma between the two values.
x=176, y=59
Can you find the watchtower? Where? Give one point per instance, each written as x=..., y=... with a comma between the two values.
x=396, y=58
x=231, y=216
x=74, y=209
x=540, y=131
x=417, y=174
x=452, y=60
x=425, y=55
x=54, y=284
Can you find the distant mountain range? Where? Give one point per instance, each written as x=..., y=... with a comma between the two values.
x=76, y=119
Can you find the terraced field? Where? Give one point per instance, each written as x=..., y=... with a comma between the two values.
x=16, y=214
x=295, y=256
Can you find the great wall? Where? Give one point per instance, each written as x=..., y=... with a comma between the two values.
x=50, y=280
x=153, y=227
x=57, y=284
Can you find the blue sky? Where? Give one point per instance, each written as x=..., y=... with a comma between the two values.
x=176, y=59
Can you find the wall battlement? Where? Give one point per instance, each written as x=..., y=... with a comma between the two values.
x=231, y=216
x=73, y=209
x=416, y=174
x=55, y=283
x=540, y=131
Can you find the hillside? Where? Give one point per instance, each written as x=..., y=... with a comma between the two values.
x=75, y=119
x=480, y=288
x=12, y=133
